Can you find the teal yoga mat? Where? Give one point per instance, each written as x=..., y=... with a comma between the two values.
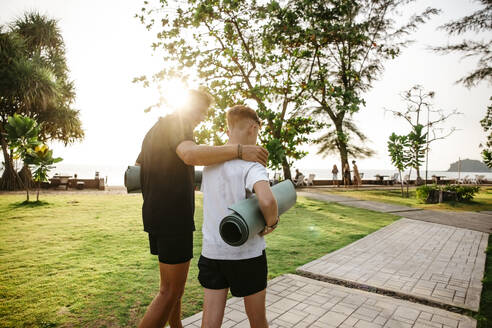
x=247, y=219
x=132, y=179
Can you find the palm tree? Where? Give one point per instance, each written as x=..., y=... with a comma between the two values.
x=34, y=82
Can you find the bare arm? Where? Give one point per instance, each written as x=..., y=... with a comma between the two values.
x=193, y=154
x=267, y=202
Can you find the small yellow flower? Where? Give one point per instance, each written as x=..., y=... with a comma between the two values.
x=41, y=149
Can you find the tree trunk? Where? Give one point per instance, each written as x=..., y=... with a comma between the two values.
x=26, y=176
x=286, y=168
x=401, y=181
x=342, y=148
x=408, y=182
x=10, y=178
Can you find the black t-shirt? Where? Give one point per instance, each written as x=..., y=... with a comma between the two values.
x=167, y=182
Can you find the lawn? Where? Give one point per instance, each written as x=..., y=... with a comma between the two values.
x=83, y=260
x=485, y=314
x=481, y=202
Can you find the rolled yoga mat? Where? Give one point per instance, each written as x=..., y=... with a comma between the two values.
x=247, y=219
x=132, y=179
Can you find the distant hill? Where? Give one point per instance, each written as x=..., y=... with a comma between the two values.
x=469, y=165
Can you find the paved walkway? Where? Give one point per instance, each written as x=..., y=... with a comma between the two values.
x=428, y=261
x=442, y=264
x=294, y=301
x=469, y=220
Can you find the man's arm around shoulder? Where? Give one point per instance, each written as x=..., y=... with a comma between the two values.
x=193, y=154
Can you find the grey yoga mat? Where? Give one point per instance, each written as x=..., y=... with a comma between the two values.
x=132, y=179
x=247, y=219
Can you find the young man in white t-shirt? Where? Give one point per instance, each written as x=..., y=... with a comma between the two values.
x=242, y=269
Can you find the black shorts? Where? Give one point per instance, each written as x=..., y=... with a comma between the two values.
x=172, y=249
x=243, y=277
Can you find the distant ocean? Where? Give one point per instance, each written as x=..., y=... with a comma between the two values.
x=114, y=173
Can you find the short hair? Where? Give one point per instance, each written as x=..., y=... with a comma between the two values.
x=201, y=95
x=239, y=112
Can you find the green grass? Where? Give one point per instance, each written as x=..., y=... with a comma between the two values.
x=83, y=260
x=484, y=317
x=481, y=202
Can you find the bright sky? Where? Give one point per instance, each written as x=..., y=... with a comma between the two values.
x=107, y=47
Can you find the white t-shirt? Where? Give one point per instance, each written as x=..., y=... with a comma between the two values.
x=223, y=185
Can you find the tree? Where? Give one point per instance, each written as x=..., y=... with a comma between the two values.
x=417, y=140
x=34, y=82
x=229, y=46
x=398, y=149
x=486, y=123
x=350, y=40
x=479, y=22
x=418, y=102
x=41, y=158
x=329, y=141
x=22, y=136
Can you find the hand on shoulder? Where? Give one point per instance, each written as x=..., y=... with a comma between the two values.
x=253, y=153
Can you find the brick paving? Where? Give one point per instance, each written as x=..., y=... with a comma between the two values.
x=295, y=301
x=428, y=261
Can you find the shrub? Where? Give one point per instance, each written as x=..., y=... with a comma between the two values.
x=422, y=192
x=463, y=193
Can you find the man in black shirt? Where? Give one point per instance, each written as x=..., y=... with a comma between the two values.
x=167, y=161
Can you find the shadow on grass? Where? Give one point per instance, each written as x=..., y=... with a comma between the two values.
x=29, y=204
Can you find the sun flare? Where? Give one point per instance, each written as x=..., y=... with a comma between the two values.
x=174, y=93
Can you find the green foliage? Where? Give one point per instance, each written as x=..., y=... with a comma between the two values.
x=463, y=193
x=34, y=82
x=479, y=22
x=34, y=77
x=344, y=44
x=486, y=123
x=41, y=157
x=422, y=192
x=22, y=134
x=355, y=139
x=397, y=147
x=418, y=103
x=231, y=49
x=416, y=151
x=484, y=318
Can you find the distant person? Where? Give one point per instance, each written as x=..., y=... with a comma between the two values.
x=357, y=179
x=346, y=175
x=299, y=178
x=298, y=174
x=167, y=161
x=243, y=269
x=334, y=171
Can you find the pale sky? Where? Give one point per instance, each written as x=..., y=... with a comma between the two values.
x=107, y=47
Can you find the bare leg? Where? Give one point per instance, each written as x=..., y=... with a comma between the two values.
x=173, y=279
x=214, y=301
x=255, y=309
x=175, y=316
